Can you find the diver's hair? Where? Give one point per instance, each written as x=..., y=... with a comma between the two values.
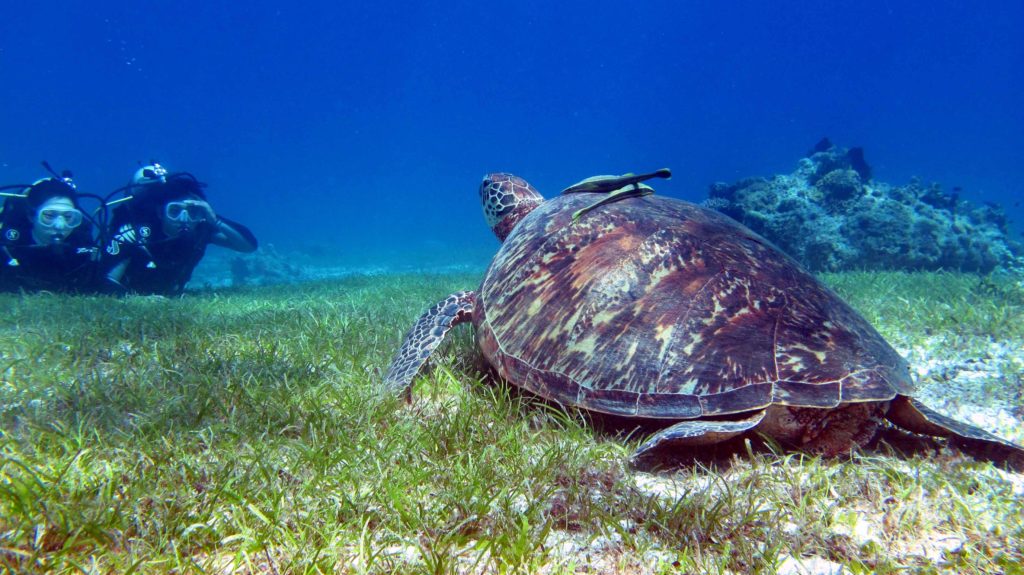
x=19, y=214
x=142, y=202
x=38, y=193
x=19, y=209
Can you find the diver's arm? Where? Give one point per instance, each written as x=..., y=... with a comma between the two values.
x=234, y=236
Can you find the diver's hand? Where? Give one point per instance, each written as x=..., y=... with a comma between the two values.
x=211, y=215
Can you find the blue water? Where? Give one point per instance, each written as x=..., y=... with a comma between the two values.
x=367, y=126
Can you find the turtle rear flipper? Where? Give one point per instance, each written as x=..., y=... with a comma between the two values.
x=697, y=432
x=917, y=417
x=426, y=334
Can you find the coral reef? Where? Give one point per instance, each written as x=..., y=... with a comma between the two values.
x=831, y=215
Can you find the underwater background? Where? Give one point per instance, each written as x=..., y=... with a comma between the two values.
x=361, y=131
x=243, y=430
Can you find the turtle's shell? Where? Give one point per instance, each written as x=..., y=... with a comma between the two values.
x=658, y=308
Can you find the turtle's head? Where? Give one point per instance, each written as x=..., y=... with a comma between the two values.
x=506, y=199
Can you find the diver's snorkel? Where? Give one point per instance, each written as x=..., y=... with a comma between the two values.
x=64, y=176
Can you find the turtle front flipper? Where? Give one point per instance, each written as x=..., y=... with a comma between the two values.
x=917, y=417
x=426, y=334
x=697, y=432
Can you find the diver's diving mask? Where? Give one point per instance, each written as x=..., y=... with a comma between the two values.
x=184, y=212
x=58, y=218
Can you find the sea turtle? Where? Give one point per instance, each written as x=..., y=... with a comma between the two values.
x=658, y=309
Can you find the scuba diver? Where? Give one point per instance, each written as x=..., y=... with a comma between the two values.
x=161, y=230
x=46, y=238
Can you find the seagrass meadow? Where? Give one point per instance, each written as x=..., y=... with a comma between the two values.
x=241, y=431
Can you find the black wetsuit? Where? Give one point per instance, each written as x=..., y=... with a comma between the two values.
x=160, y=265
x=70, y=267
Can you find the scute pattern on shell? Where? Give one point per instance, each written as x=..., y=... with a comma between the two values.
x=658, y=308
